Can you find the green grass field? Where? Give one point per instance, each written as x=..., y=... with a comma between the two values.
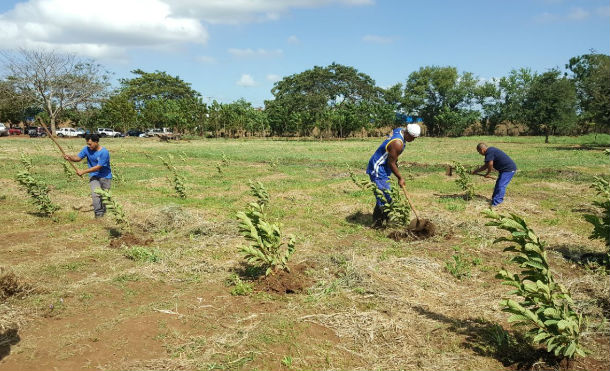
x=171, y=301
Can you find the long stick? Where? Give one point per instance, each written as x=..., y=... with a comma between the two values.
x=58, y=146
x=408, y=200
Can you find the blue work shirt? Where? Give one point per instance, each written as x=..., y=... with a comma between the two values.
x=100, y=157
x=378, y=166
x=502, y=162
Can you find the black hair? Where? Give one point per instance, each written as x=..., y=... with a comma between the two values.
x=480, y=146
x=94, y=137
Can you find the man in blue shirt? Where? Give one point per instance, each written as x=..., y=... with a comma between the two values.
x=100, y=176
x=506, y=167
x=383, y=163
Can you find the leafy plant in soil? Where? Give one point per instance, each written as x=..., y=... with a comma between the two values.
x=266, y=249
x=114, y=207
x=464, y=181
x=546, y=308
x=26, y=160
x=38, y=192
x=177, y=180
x=601, y=224
x=398, y=211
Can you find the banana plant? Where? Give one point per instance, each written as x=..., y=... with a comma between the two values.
x=546, y=308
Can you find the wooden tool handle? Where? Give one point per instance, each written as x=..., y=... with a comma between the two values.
x=58, y=146
x=409, y=201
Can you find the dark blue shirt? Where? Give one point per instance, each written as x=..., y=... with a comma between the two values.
x=99, y=157
x=502, y=162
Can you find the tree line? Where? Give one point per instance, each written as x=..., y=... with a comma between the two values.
x=331, y=101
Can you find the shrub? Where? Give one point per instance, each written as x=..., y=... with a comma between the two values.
x=464, y=181
x=459, y=266
x=142, y=254
x=398, y=211
x=546, y=308
x=258, y=190
x=38, y=191
x=601, y=225
x=266, y=248
x=177, y=180
x=114, y=207
x=240, y=288
x=26, y=160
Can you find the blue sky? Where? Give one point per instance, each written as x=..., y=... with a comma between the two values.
x=229, y=49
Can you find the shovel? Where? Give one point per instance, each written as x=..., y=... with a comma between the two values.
x=421, y=226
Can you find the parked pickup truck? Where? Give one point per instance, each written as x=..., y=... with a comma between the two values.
x=66, y=132
x=105, y=132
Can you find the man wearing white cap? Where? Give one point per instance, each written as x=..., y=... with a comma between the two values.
x=383, y=164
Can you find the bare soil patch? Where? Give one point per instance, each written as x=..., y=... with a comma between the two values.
x=129, y=239
x=419, y=229
x=283, y=282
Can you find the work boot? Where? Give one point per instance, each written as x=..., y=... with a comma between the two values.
x=378, y=217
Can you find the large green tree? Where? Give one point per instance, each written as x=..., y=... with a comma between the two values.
x=302, y=100
x=443, y=98
x=550, y=104
x=591, y=75
x=119, y=112
x=162, y=100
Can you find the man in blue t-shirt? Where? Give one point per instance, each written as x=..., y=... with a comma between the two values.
x=506, y=167
x=98, y=159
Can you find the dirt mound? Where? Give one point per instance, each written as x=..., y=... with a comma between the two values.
x=10, y=285
x=129, y=239
x=283, y=282
x=419, y=229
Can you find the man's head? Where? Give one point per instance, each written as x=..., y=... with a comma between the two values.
x=412, y=132
x=93, y=141
x=482, y=148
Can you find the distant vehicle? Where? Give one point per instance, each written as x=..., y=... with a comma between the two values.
x=66, y=132
x=81, y=132
x=14, y=131
x=3, y=130
x=134, y=133
x=34, y=132
x=158, y=132
x=105, y=132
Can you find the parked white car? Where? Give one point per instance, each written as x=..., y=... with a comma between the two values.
x=157, y=132
x=66, y=132
x=105, y=132
x=3, y=130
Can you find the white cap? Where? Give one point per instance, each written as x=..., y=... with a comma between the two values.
x=414, y=130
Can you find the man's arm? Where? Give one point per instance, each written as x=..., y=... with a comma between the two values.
x=489, y=165
x=89, y=170
x=393, y=153
x=72, y=158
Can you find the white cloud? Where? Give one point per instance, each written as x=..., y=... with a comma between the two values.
x=273, y=77
x=246, y=81
x=206, y=59
x=240, y=11
x=109, y=28
x=574, y=15
x=245, y=53
x=603, y=11
x=578, y=14
x=292, y=39
x=376, y=39
x=96, y=28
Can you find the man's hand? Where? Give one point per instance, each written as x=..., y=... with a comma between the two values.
x=80, y=172
x=67, y=157
x=401, y=182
